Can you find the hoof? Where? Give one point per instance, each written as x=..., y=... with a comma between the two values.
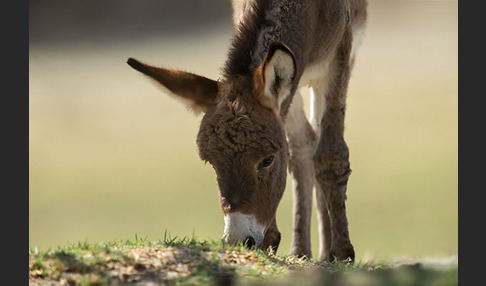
x=343, y=255
x=301, y=253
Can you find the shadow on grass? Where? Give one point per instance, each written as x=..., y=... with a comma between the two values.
x=376, y=275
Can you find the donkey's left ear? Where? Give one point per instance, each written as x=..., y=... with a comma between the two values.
x=273, y=79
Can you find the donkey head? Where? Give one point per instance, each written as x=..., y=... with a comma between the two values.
x=242, y=137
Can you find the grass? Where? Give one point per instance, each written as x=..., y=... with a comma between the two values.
x=188, y=261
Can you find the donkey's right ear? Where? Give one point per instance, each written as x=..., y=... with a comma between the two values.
x=273, y=80
x=197, y=92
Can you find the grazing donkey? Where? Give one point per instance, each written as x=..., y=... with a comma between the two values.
x=254, y=125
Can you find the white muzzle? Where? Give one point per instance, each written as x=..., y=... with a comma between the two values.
x=239, y=227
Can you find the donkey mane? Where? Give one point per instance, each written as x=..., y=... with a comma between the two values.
x=262, y=19
x=240, y=54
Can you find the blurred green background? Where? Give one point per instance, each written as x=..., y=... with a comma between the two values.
x=111, y=156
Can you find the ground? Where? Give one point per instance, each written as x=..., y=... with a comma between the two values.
x=191, y=262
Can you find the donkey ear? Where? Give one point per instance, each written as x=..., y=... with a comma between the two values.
x=197, y=92
x=273, y=79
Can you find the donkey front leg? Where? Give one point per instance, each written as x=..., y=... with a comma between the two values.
x=331, y=160
x=302, y=140
x=332, y=172
x=272, y=237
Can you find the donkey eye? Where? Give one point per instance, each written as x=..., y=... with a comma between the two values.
x=266, y=162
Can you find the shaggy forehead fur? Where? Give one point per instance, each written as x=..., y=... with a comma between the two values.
x=238, y=124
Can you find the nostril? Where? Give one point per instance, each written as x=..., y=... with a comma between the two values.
x=249, y=242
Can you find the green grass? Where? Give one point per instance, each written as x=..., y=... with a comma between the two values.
x=194, y=262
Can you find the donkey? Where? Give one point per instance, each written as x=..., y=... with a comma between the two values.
x=254, y=125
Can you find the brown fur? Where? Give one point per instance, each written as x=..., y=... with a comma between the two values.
x=235, y=136
x=245, y=125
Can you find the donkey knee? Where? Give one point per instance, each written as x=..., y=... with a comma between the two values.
x=333, y=165
x=337, y=171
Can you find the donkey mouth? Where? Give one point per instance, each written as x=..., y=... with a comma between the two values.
x=241, y=228
x=249, y=242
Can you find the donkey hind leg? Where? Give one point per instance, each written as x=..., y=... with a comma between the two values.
x=331, y=160
x=302, y=142
x=323, y=223
x=318, y=90
x=318, y=105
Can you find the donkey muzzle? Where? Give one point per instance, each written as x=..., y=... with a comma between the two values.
x=243, y=228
